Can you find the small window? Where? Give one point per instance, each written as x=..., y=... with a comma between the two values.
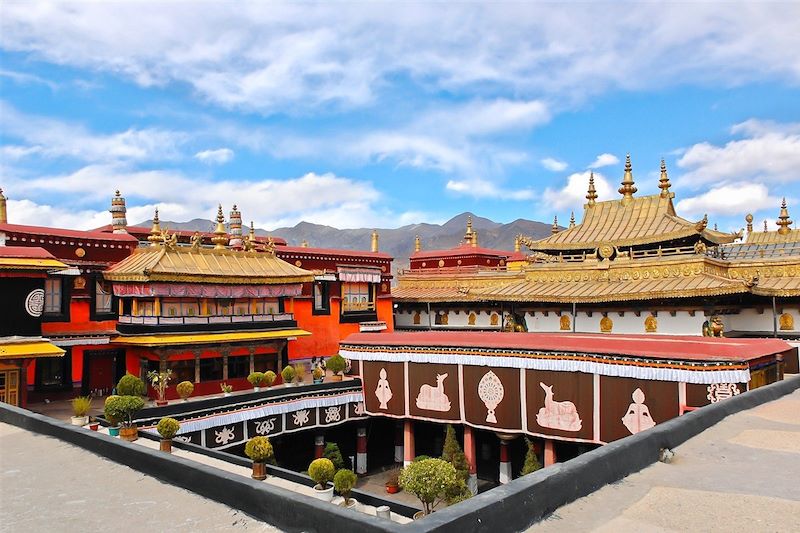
x=102, y=297
x=322, y=305
x=357, y=297
x=52, y=296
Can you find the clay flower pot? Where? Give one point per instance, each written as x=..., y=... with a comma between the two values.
x=166, y=445
x=392, y=488
x=129, y=434
x=259, y=471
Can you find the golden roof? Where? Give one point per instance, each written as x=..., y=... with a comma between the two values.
x=201, y=265
x=783, y=234
x=28, y=348
x=175, y=339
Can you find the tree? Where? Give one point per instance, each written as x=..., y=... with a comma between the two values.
x=531, y=461
x=333, y=453
x=452, y=454
x=431, y=480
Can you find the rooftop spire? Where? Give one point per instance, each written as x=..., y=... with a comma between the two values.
x=592, y=195
x=517, y=244
x=783, y=220
x=374, y=246
x=766, y=228
x=252, y=234
x=155, y=231
x=469, y=233
x=474, y=239
x=220, y=238
x=235, y=222
x=554, y=229
x=749, y=220
x=663, y=181
x=417, y=243
x=628, y=189
x=304, y=244
x=3, y=212
x=572, y=219
x=118, y=211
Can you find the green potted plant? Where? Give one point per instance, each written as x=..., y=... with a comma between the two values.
x=343, y=481
x=531, y=461
x=255, y=379
x=333, y=453
x=226, y=389
x=126, y=407
x=393, y=481
x=299, y=372
x=318, y=374
x=430, y=480
x=185, y=389
x=322, y=471
x=130, y=385
x=113, y=415
x=159, y=382
x=167, y=428
x=269, y=378
x=80, y=410
x=337, y=364
x=288, y=375
x=259, y=450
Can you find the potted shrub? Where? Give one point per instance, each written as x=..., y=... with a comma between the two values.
x=288, y=375
x=185, y=389
x=269, y=378
x=299, y=372
x=259, y=450
x=333, y=453
x=392, y=481
x=343, y=481
x=226, y=389
x=113, y=415
x=126, y=407
x=159, y=382
x=430, y=480
x=337, y=364
x=322, y=471
x=531, y=461
x=318, y=374
x=80, y=410
x=167, y=428
x=255, y=379
x=130, y=385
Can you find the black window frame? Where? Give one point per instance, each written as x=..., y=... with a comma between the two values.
x=93, y=314
x=325, y=290
x=66, y=298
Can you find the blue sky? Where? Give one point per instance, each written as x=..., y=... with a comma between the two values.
x=380, y=115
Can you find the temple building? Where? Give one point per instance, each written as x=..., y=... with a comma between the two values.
x=632, y=265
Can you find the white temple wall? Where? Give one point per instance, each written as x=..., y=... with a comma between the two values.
x=752, y=320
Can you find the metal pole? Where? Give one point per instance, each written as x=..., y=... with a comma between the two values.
x=574, y=317
x=774, y=319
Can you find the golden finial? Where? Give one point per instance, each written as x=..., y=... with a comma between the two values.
x=252, y=234
x=304, y=244
x=220, y=238
x=663, y=182
x=572, y=219
x=417, y=243
x=469, y=233
x=3, y=211
x=554, y=229
x=628, y=189
x=783, y=220
x=374, y=244
x=749, y=220
x=474, y=239
x=517, y=244
x=766, y=228
x=592, y=196
x=155, y=231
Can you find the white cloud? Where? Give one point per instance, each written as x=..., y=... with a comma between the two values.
x=572, y=195
x=731, y=200
x=293, y=57
x=481, y=188
x=769, y=153
x=553, y=164
x=604, y=160
x=219, y=156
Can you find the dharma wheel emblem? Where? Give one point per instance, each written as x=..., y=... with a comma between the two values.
x=605, y=251
x=34, y=303
x=491, y=392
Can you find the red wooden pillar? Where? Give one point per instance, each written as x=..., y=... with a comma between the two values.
x=361, y=451
x=469, y=452
x=408, y=442
x=319, y=446
x=549, y=452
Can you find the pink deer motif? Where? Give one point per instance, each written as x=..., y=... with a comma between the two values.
x=557, y=415
x=434, y=398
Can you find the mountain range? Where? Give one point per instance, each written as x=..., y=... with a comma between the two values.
x=399, y=242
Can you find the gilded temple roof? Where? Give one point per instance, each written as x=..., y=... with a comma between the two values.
x=203, y=265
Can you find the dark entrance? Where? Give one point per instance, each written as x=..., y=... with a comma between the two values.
x=102, y=369
x=54, y=373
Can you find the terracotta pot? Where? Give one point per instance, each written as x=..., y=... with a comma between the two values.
x=392, y=489
x=129, y=434
x=259, y=471
x=94, y=426
x=166, y=445
x=336, y=377
x=161, y=403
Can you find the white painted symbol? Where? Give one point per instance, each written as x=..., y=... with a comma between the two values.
x=434, y=398
x=383, y=392
x=721, y=391
x=557, y=415
x=638, y=416
x=265, y=426
x=359, y=408
x=333, y=414
x=491, y=392
x=34, y=303
x=183, y=438
x=224, y=436
x=300, y=417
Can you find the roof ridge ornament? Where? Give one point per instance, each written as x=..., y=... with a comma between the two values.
x=749, y=220
x=374, y=242
x=592, y=194
x=220, y=238
x=417, y=243
x=572, y=219
x=554, y=229
x=703, y=224
x=155, y=231
x=783, y=219
x=663, y=181
x=517, y=243
x=628, y=188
